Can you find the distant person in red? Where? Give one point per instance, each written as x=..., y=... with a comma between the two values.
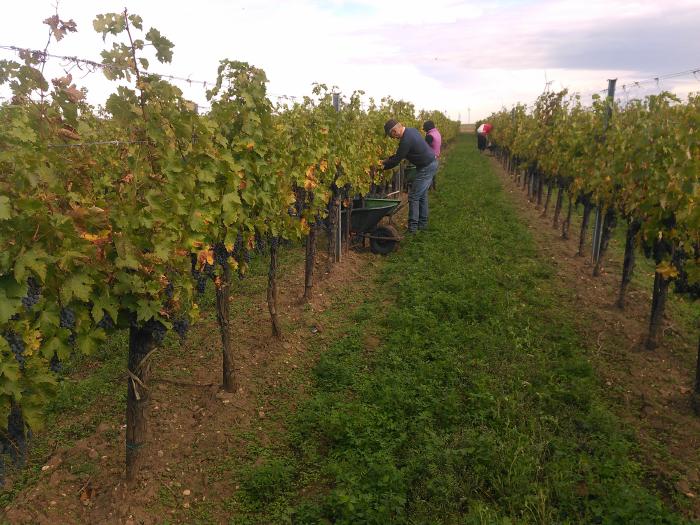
x=482, y=136
x=432, y=137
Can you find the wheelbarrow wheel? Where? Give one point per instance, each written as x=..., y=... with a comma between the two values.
x=383, y=246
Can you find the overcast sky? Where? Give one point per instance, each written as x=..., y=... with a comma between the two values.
x=439, y=54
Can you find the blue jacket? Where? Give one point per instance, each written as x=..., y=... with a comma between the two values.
x=412, y=147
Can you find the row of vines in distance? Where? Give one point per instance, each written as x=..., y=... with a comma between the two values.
x=637, y=164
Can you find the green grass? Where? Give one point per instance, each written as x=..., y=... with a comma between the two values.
x=479, y=406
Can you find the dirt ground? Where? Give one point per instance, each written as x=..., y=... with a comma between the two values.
x=649, y=390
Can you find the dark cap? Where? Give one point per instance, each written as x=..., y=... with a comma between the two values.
x=389, y=124
x=428, y=125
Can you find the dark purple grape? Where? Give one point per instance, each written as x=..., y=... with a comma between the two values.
x=157, y=330
x=106, y=323
x=238, y=246
x=17, y=346
x=33, y=293
x=208, y=270
x=67, y=317
x=55, y=365
x=259, y=244
x=169, y=291
x=181, y=326
x=220, y=254
x=201, y=283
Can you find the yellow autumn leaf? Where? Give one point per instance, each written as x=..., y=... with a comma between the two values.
x=205, y=256
x=89, y=236
x=33, y=341
x=667, y=270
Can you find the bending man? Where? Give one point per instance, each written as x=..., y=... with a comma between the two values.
x=416, y=150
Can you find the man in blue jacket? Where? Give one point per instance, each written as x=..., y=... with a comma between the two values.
x=416, y=150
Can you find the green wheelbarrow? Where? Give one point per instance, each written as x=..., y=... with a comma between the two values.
x=364, y=224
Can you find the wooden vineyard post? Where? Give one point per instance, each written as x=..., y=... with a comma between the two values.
x=141, y=346
x=629, y=260
x=348, y=217
x=567, y=222
x=658, y=307
x=272, y=287
x=608, y=223
x=558, y=205
x=696, y=386
x=223, y=294
x=310, y=260
x=550, y=188
x=584, y=224
x=605, y=222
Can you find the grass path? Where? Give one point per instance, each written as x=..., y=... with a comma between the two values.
x=461, y=392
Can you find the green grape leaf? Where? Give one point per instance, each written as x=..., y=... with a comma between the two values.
x=5, y=208
x=77, y=286
x=35, y=259
x=10, y=375
x=104, y=304
x=136, y=21
x=88, y=343
x=9, y=306
x=163, y=46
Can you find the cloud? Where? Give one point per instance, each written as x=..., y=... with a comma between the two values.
x=443, y=54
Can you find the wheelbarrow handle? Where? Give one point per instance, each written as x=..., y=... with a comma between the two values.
x=395, y=210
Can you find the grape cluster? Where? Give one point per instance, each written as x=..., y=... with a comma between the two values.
x=67, y=318
x=221, y=255
x=170, y=291
x=157, y=330
x=55, y=365
x=181, y=326
x=17, y=346
x=106, y=323
x=33, y=294
x=238, y=245
x=260, y=244
x=202, y=276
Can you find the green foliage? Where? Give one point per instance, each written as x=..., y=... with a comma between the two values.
x=106, y=231
x=644, y=161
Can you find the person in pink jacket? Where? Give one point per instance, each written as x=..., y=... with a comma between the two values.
x=432, y=137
